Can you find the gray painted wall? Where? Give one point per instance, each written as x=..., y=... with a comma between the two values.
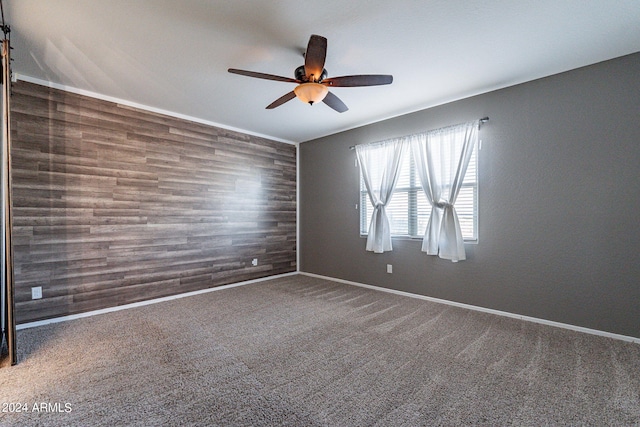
x=559, y=228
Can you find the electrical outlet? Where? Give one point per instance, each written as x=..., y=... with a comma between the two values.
x=389, y=268
x=254, y=262
x=36, y=292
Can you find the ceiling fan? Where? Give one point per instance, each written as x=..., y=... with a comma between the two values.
x=313, y=83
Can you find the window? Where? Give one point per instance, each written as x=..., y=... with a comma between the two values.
x=409, y=209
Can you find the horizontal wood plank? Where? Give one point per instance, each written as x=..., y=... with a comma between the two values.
x=114, y=205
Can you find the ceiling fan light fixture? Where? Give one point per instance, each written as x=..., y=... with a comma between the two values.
x=310, y=93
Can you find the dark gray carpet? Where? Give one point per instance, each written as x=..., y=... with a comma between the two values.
x=302, y=351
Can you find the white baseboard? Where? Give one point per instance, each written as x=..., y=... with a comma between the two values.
x=347, y=282
x=484, y=310
x=147, y=302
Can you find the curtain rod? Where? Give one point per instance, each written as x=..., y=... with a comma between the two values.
x=482, y=120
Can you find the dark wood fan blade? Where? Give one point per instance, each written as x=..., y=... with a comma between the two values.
x=262, y=75
x=359, y=80
x=334, y=102
x=314, y=57
x=284, y=98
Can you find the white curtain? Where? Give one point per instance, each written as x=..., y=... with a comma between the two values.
x=441, y=159
x=380, y=187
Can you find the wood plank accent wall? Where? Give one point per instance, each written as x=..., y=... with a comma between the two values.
x=114, y=205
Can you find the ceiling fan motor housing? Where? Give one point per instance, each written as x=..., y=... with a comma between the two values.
x=301, y=75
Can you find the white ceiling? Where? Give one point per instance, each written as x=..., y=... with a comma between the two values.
x=173, y=55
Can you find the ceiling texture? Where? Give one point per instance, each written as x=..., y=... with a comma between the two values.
x=173, y=55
